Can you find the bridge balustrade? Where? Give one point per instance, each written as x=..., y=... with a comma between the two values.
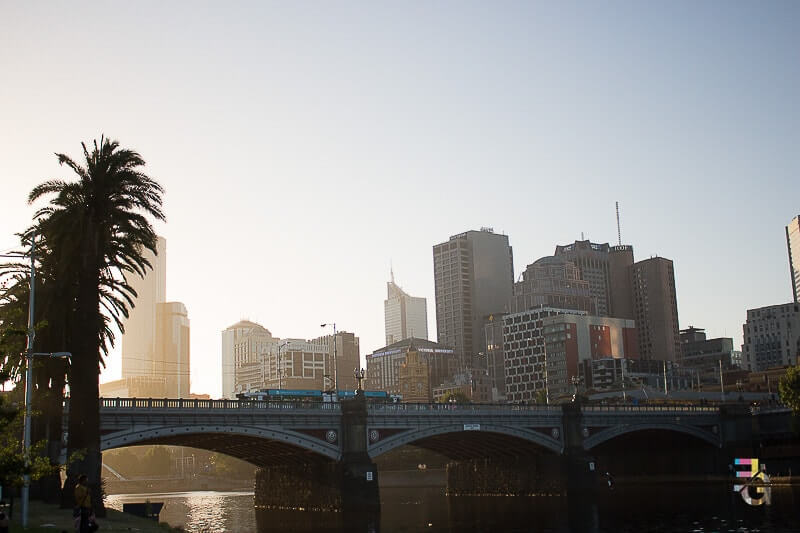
x=459, y=408
x=649, y=409
x=186, y=403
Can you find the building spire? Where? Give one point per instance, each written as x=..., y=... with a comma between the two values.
x=391, y=271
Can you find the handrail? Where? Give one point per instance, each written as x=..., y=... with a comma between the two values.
x=192, y=403
x=460, y=407
x=649, y=409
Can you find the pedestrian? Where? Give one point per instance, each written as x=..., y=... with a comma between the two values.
x=83, y=505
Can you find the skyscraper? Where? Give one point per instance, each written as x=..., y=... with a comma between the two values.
x=656, y=306
x=771, y=337
x=139, y=339
x=242, y=346
x=793, y=244
x=171, y=358
x=474, y=278
x=606, y=269
x=404, y=316
x=551, y=282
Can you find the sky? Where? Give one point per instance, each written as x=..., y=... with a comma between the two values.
x=307, y=146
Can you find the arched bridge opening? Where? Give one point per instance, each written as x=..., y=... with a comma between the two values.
x=486, y=461
x=653, y=454
x=261, y=447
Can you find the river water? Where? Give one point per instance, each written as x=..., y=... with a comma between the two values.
x=695, y=509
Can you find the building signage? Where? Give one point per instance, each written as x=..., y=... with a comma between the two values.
x=472, y=427
x=369, y=476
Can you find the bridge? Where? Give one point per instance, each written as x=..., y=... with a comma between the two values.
x=292, y=441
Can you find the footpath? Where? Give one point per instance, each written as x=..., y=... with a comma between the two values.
x=45, y=518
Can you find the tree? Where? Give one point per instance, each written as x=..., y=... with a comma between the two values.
x=97, y=229
x=789, y=388
x=455, y=396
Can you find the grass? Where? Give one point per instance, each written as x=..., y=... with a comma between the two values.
x=44, y=518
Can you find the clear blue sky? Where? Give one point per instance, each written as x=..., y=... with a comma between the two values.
x=305, y=145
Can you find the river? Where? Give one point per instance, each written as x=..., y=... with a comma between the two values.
x=696, y=509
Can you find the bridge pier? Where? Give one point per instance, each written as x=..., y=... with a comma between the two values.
x=579, y=467
x=349, y=485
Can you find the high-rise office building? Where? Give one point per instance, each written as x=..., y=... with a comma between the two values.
x=656, y=307
x=404, y=316
x=704, y=356
x=771, y=337
x=474, y=278
x=606, y=269
x=552, y=282
x=793, y=244
x=139, y=338
x=347, y=355
x=172, y=348
x=242, y=346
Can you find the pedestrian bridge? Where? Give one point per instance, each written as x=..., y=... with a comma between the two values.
x=267, y=433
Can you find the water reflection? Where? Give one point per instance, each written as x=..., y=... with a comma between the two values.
x=624, y=510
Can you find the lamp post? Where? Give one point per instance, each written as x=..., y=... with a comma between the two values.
x=335, y=381
x=280, y=364
x=26, y=444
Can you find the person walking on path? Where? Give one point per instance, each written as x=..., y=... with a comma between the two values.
x=83, y=504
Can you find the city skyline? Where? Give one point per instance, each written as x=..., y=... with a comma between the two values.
x=282, y=194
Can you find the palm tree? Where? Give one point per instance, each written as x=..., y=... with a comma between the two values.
x=97, y=229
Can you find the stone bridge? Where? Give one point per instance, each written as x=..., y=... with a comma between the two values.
x=334, y=445
x=266, y=433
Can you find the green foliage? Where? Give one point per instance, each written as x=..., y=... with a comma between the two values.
x=541, y=397
x=789, y=388
x=14, y=463
x=455, y=396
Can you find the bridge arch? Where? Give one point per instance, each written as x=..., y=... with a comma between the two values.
x=414, y=435
x=619, y=430
x=238, y=441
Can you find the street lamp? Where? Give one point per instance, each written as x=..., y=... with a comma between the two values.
x=26, y=444
x=335, y=382
x=280, y=364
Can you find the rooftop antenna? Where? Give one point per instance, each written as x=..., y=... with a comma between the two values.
x=582, y=236
x=619, y=233
x=391, y=270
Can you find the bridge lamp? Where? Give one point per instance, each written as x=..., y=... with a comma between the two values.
x=26, y=443
x=335, y=382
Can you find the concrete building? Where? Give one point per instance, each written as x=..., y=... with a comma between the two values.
x=771, y=337
x=495, y=358
x=297, y=364
x=347, y=355
x=552, y=282
x=139, y=338
x=242, y=345
x=573, y=339
x=172, y=349
x=383, y=365
x=524, y=351
x=474, y=276
x=605, y=268
x=135, y=387
x=793, y=245
x=656, y=307
x=404, y=316
x=703, y=356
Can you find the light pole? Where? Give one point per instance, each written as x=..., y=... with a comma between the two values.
x=335, y=382
x=280, y=364
x=26, y=443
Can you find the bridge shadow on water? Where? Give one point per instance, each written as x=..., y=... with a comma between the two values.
x=631, y=509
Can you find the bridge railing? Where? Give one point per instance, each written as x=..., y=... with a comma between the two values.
x=649, y=409
x=456, y=408
x=186, y=403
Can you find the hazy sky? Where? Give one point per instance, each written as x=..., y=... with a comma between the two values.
x=304, y=146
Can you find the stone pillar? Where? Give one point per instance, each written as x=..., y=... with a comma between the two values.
x=359, y=473
x=580, y=469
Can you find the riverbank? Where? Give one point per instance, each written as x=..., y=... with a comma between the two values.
x=46, y=518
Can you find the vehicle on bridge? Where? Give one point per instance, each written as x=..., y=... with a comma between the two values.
x=273, y=395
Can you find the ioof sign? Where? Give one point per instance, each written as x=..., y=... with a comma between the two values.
x=472, y=427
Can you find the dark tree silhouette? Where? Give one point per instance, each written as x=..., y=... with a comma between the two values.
x=96, y=229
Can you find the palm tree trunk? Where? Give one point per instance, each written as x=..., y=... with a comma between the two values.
x=84, y=407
